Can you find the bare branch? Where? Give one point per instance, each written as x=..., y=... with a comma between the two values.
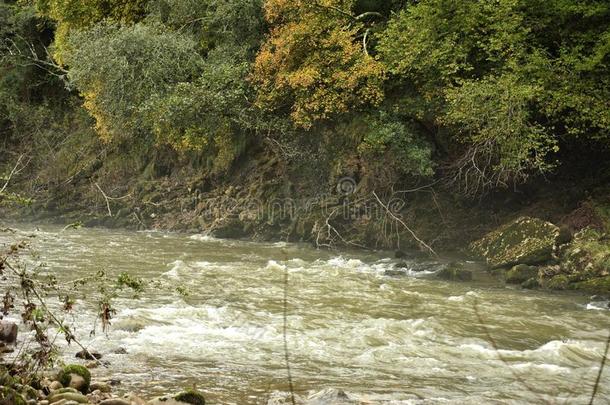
x=12, y=173
x=400, y=221
x=106, y=198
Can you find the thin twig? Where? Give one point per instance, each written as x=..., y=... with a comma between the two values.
x=106, y=198
x=10, y=176
x=400, y=221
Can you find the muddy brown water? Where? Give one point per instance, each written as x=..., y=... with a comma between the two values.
x=381, y=339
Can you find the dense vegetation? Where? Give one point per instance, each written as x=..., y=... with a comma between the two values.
x=481, y=94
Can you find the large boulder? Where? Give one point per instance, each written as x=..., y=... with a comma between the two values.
x=588, y=256
x=523, y=241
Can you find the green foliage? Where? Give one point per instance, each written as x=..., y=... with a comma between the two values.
x=495, y=88
x=213, y=23
x=494, y=116
x=73, y=15
x=119, y=69
x=510, y=80
x=397, y=143
x=125, y=280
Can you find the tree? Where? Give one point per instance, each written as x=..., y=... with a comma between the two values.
x=510, y=81
x=119, y=69
x=314, y=63
x=73, y=15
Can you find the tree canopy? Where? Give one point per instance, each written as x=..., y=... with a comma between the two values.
x=484, y=94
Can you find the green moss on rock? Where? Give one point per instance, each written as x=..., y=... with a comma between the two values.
x=191, y=397
x=521, y=273
x=599, y=285
x=65, y=375
x=530, y=284
x=588, y=256
x=523, y=241
x=558, y=282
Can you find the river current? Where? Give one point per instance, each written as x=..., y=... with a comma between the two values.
x=349, y=325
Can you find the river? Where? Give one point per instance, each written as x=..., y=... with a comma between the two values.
x=381, y=339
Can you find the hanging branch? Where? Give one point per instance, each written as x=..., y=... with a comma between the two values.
x=400, y=221
x=12, y=173
x=108, y=199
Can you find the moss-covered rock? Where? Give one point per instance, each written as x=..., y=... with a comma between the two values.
x=65, y=376
x=191, y=397
x=558, y=282
x=588, y=256
x=600, y=285
x=523, y=241
x=521, y=273
x=530, y=284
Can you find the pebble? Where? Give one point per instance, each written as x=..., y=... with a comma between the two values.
x=92, y=364
x=55, y=385
x=114, y=401
x=68, y=396
x=88, y=355
x=101, y=386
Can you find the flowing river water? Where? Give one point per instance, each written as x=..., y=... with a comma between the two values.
x=349, y=325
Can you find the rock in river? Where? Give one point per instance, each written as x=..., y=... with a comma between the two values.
x=524, y=241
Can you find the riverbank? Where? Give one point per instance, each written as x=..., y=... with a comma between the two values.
x=264, y=199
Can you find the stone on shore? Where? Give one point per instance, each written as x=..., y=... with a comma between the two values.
x=68, y=396
x=115, y=401
x=525, y=240
x=75, y=376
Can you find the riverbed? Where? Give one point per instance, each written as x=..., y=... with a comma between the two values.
x=380, y=338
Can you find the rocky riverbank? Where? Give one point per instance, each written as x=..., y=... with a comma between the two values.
x=551, y=244
x=72, y=385
x=538, y=254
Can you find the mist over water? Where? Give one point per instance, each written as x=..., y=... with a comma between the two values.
x=381, y=339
